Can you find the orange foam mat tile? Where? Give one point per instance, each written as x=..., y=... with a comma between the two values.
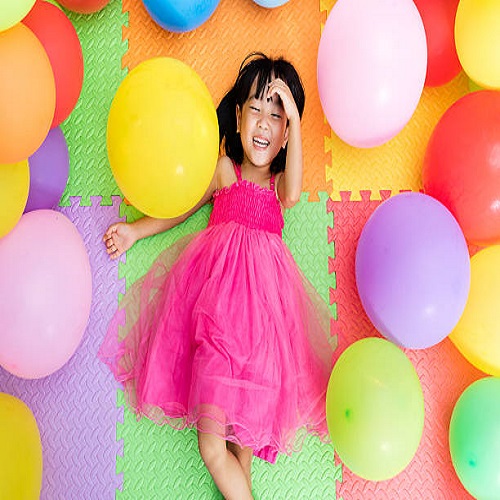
x=216, y=49
x=443, y=372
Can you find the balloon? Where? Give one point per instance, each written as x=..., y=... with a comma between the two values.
x=49, y=169
x=371, y=66
x=163, y=137
x=45, y=294
x=477, y=39
x=27, y=94
x=21, y=450
x=14, y=187
x=413, y=270
x=477, y=334
x=270, y=4
x=438, y=17
x=375, y=409
x=11, y=12
x=180, y=16
x=475, y=438
x=461, y=165
x=60, y=40
x=84, y=6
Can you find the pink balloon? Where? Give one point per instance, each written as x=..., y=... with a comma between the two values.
x=372, y=62
x=45, y=294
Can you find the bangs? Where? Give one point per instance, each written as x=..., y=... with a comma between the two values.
x=263, y=78
x=257, y=70
x=262, y=70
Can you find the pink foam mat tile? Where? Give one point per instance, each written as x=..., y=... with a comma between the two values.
x=443, y=372
x=75, y=407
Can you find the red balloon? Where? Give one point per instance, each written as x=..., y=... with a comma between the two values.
x=438, y=17
x=462, y=165
x=84, y=6
x=60, y=40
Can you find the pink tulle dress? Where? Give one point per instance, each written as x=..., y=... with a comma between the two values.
x=224, y=333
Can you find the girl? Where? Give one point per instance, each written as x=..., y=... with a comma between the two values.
x=224, y=333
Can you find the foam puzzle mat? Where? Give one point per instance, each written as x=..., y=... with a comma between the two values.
x=93, y=448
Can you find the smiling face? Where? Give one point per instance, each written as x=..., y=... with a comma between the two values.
x=263, y=129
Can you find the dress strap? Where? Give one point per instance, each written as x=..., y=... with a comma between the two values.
x=237, y=170
x=271, y=182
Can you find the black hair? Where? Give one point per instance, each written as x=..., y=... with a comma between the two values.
x=261, y=68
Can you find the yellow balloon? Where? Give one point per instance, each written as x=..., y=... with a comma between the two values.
x=477, y=39
x=14, y=189
x=12, y=11
x=477, y=334
x=20, y=451
x=163, y=137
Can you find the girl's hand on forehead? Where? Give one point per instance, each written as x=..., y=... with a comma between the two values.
x=280, y=88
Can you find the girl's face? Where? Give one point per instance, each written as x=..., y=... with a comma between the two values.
x=262, y=125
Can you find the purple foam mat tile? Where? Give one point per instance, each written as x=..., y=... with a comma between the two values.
x=75, y=407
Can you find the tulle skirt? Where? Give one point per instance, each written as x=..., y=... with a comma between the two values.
x=224, y=333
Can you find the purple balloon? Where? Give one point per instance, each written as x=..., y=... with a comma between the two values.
x=413, y=270
x=49, y=170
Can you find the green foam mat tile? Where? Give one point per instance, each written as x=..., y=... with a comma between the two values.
x=100, y=35
x=162, y=463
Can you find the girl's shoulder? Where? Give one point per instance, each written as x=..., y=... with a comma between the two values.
x=225, y=174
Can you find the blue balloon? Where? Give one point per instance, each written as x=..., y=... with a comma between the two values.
x=180, y=16
x=270, y=3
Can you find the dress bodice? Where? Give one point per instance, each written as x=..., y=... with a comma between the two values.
x=248, y=204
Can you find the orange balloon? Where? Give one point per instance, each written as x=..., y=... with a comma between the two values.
x=27, y=94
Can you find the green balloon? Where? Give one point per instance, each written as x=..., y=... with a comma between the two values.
x=475, y=438
x=12, y=11
x=375, y=409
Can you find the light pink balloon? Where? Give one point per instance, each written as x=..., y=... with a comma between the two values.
x=372, y=62
x=45, y=294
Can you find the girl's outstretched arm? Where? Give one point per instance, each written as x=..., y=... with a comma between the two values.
x=289, y=184
x=119, y=237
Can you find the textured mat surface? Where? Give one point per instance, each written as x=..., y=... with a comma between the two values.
x=443, y=372
x=75, y=407
x=100, y=35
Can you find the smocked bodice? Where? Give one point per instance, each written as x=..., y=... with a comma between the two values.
x=248, y=204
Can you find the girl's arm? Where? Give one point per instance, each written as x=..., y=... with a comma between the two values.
x=121, y=236
x=289, y=184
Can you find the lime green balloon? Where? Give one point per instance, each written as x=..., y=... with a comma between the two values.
x=12, y=11
x=375, y=409
x=475, y=438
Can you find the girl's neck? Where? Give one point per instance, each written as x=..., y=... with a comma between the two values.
x=253, y=173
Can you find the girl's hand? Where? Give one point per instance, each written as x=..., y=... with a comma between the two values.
x=118, y=239
x=280, y=88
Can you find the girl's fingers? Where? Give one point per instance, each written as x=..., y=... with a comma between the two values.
x=110, y=240
x=109, y=232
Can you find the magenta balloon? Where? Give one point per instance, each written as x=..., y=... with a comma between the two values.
x=413, y=270
x=372, y=61
x=49, y=169
x=45, y=294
